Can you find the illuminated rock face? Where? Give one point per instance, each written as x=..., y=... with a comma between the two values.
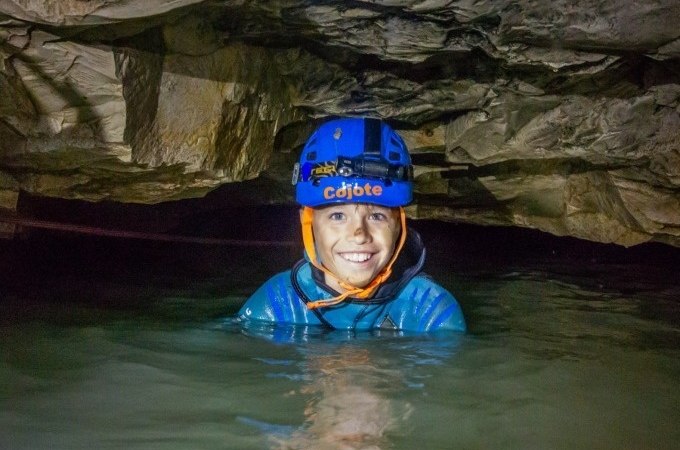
x=536, y=114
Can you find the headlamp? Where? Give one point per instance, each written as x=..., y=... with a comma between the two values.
x=359, y=167
x=373, y=168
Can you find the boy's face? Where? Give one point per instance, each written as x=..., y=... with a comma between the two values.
x=355, y=241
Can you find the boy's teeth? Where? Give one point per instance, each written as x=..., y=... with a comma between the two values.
x=356, y=257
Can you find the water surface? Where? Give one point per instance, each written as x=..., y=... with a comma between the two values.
x=111, y=346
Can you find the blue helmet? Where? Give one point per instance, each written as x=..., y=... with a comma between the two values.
x=354, y=161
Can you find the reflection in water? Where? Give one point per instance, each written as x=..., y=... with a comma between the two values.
x=346, y=409
x=351, y=393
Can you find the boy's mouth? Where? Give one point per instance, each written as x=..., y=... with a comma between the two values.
x=357, y=257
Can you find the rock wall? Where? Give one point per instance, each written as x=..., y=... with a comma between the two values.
x=553, y=116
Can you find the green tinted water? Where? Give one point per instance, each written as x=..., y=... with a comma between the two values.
x=126, y=349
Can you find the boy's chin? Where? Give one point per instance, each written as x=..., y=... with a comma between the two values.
x=357, y=278
x=361, y=281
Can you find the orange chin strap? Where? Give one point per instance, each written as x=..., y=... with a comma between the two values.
x=350, y=290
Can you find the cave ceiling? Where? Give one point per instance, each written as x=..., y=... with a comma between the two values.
x=559, y=116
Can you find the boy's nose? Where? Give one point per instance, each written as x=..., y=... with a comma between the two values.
x=360, y=234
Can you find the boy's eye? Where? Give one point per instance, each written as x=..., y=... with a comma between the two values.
x=336, y=216
x=377, y=216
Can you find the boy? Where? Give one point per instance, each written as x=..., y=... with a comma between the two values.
x=362, y=266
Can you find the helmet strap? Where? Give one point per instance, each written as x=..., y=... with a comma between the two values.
x=306, y=219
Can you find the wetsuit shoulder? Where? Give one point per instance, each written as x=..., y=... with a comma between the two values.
x=277, y=301
x=423, y=305
x=274, y=301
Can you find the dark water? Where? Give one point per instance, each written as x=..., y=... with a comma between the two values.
x=114, y=344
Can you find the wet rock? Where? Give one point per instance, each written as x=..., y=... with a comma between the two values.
x=553, y=116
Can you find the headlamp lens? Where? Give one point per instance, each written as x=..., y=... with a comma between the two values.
x=345, y=171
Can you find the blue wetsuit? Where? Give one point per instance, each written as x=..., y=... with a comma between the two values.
x=407, y=301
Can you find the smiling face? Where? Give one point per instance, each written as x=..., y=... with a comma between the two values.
x=355, y=241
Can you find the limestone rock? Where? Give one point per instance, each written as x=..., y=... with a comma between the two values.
x=557, y=116
x=92, y=12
